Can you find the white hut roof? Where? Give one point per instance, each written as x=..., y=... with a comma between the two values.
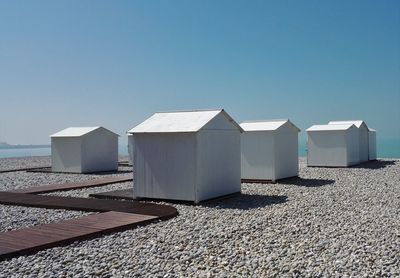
x=179, y=121
x=77, y=131
x=329, y=127
x=371, y=129
x=357, y=123
x=265, y=125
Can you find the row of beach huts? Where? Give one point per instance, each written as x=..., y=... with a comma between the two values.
x=203, y=154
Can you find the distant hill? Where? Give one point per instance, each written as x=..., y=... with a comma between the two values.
x=4, y=145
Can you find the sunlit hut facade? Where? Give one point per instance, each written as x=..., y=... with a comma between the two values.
x=84, y=150
x=333, y=145
x=186, y=155
x=363, y=137
x=269, y=150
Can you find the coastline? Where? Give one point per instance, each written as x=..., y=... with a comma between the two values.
x=387, y=149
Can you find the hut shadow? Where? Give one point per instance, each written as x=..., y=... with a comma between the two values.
x=231, y=201
x=298, y=181
x=375, y=164
x=244, y=201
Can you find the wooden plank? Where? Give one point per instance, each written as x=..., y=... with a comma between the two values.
x=87, y=204
x=37, y=233
x=22, y=169
x=68, y=229
x=65, y=229
x=47, y=169
x=25, y=239
x=6, y=250
x=110, y=219
x=50, y=171
x=69, y=186
x=33, y=239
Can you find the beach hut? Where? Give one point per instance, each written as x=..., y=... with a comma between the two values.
x=130, y=149
x=269, y=150
x=84, y=150
x=186, y=155
x=362, y=137
x=372, y=143
x=333, y=145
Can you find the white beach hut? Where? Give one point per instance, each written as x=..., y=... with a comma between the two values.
x=372, y=144
x=187, y=155
x=333, y=145
x=269, y=150
x=362, y=136
x=130, y=149
x=84, y=150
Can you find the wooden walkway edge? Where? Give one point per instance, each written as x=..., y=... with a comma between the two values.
x=68, y=186
x=123, y=163
x=87, y=204
x=115, y=215
x=22, y=169
x=49, y=170
x=31, y=240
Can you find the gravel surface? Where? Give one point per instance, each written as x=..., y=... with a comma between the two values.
x=30, y=162
x=22, y=179
x=85, y=192
x=329, y=222
x=14, y=218
x=26, y=162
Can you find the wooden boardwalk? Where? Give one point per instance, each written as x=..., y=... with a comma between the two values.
x=48, y=170
x=115, y=215
x=33, y=239
x=86, y=204
x=69, y=186
x=22, y=169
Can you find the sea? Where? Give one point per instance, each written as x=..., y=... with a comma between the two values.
x=386, y=148
x=45, y=151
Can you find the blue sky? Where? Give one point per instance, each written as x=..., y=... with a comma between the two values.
x=114, y=63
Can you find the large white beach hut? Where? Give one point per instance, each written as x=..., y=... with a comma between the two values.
x=362, y=137
x=333, y=145
x=186, y=155
x=84, y=150
x=372, y=143
x=130, y=149
x=269, y=150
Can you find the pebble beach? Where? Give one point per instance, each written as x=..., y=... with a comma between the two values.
x=338, y=222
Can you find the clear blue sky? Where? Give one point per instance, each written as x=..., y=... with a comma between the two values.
x=114, y=63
